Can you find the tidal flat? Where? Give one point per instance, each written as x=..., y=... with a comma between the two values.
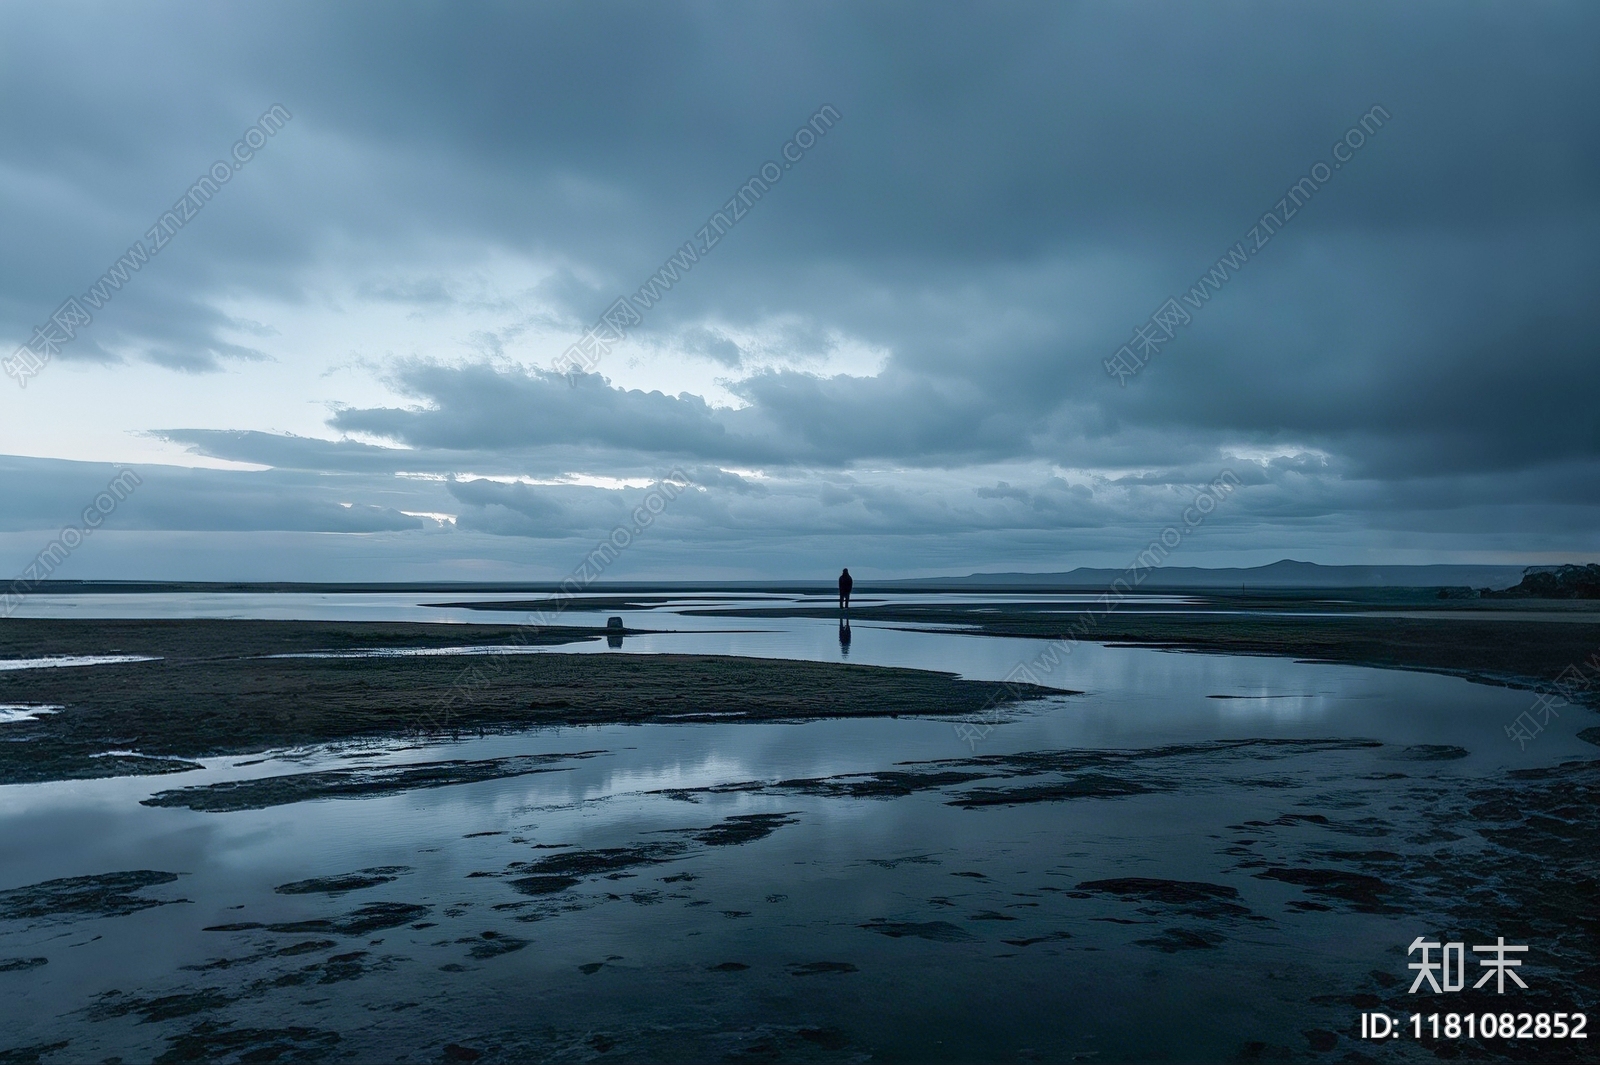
x=205, y=687
x=688, y=857
x=1513, y=642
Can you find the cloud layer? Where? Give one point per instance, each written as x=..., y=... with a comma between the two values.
x=896, y=355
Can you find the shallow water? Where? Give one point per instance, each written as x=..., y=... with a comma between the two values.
x=13, y=712
x=69, y=661
x=826, y=925
x=410, y=606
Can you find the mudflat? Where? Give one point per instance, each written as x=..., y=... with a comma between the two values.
x=1516, y=643
x=222, y=687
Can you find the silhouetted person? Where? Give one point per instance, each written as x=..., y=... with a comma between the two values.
x=845, y=584
x=844, y=637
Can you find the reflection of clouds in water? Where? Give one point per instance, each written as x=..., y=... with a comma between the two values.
x=64, y=661
x=837, y=856
x=711, y=769
x=1268, y=707
x=807, y=891
x=13, y=712
x=420, y=652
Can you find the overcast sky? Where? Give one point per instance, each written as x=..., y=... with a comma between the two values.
x=343, y=363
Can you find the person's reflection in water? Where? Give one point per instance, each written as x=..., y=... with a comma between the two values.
x=844, y=637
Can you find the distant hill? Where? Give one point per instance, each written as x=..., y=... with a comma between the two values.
x=1285, y=574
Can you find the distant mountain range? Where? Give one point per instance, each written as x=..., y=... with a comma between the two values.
x=1285, y=574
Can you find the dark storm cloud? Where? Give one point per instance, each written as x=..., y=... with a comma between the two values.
x=1009, y=192
x=794, y=418
x=479, y=406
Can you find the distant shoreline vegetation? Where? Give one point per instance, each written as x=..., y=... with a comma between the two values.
x=1558, y=582
x=1539, y=582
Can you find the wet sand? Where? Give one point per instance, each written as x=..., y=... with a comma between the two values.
x=213, y=687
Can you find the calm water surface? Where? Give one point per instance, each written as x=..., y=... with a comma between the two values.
x=846, y=928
